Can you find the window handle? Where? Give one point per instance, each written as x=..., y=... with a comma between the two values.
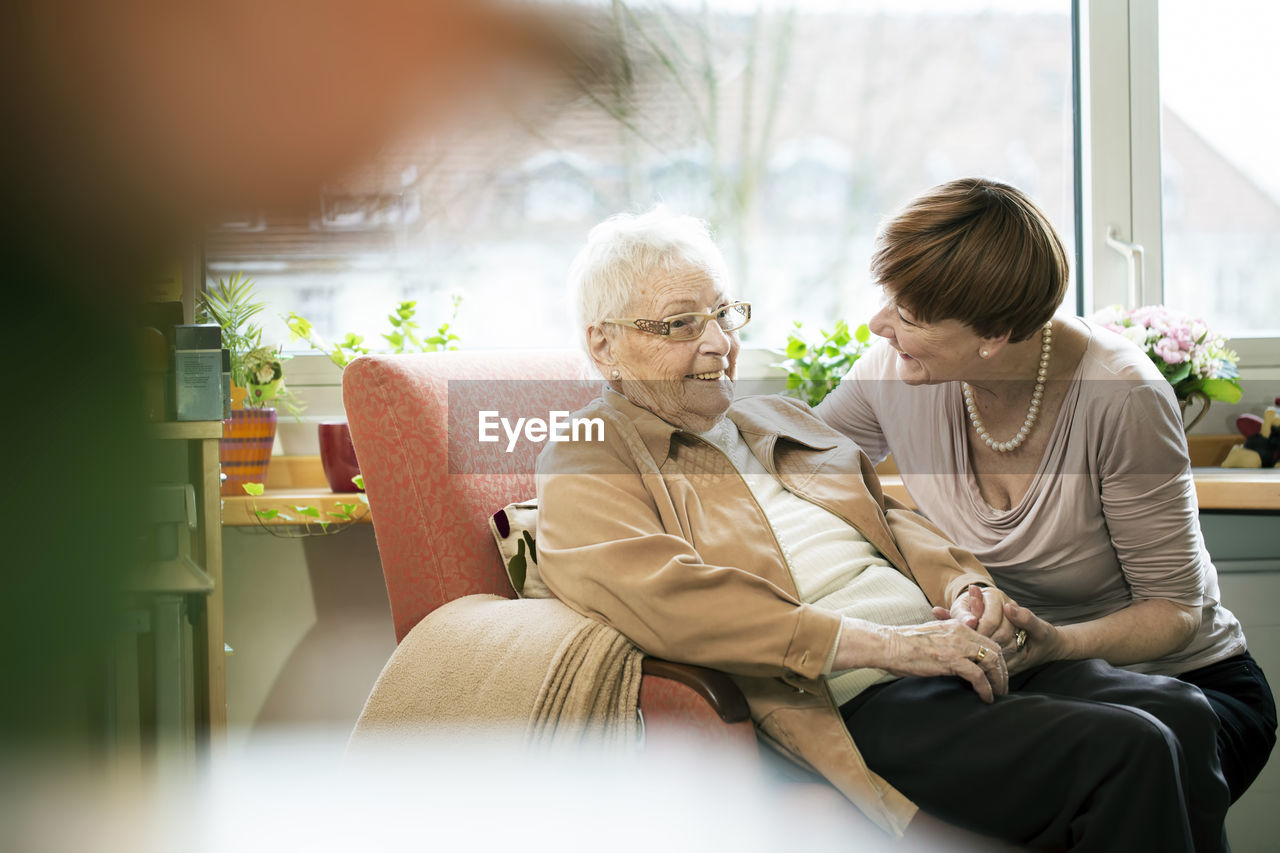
x=1133, y=253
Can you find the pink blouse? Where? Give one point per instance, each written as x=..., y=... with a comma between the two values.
x=1110, y=517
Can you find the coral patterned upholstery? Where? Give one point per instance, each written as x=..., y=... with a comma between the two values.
x=432, y=486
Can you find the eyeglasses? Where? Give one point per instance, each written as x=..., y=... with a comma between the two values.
x=690, y=326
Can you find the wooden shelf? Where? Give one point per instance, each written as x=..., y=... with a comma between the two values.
x=240, y=511
x=299, y=481
x=1238, y=488
x=1207, y=451
x=292, y=481
x=185, y=430
x=1216, y=488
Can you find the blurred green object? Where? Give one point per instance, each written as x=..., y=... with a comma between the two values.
x=74, y=497
x=815, y=368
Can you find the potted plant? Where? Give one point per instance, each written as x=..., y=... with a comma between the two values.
x=337, y=453
x=814, y=369
x=257, y=378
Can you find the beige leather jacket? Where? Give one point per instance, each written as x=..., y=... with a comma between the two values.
x=653, y=531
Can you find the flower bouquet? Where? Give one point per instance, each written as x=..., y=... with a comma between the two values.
x=1196, y=361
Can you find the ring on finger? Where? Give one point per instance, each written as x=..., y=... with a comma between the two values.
x=982, y=653
x=1020, y=638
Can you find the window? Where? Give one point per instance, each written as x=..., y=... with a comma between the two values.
x=1149, y=163
x=792, y=129
x=1221, y=180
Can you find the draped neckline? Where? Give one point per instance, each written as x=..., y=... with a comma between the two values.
x=1050, y=462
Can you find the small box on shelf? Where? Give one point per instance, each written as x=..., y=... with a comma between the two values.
x=197, y=372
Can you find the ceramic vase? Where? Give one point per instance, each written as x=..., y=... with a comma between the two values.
x=338, y=456
x=1194, y=407
x=245, y=450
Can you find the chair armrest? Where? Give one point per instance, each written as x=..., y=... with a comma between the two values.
x=714, y=686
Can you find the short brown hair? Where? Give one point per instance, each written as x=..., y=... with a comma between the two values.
x=977, y=251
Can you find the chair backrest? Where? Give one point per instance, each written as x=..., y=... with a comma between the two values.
x=431, y=483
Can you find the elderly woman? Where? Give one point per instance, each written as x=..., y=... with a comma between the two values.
x=750, y=537
x=1050, y=448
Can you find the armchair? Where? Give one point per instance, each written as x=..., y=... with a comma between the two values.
x=431, y=501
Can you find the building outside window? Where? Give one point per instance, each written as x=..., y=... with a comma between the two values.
x=791, y=129
x=1221, y=157
x=794, y=129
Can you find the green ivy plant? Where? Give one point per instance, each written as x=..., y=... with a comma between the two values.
x=815, y=368
x=308, y=518
x=402, y=338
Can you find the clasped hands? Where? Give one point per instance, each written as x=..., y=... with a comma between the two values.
x=978, y=639
x=1023, y=638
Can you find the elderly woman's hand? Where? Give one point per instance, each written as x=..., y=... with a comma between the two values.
x=931, y=648
x=948, y=648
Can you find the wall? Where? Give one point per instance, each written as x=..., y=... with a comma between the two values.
x=1247, y=554
x=310, y=627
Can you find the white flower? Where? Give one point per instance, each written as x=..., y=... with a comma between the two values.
x=1137, y=334
x=265, y=374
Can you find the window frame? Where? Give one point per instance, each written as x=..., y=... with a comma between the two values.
x=1119, y=168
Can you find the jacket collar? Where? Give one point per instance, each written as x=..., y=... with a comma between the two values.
x=758, y=419
x=773, y=415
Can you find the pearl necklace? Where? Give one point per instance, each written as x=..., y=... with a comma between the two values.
x=1032, y=413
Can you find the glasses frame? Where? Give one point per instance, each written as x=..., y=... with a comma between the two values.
x=662, y=327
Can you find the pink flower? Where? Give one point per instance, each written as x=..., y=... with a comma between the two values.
x=1172, y=338
x=1170, y=350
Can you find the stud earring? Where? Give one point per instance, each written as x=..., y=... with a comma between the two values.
x=984, y=353
x=616, y=374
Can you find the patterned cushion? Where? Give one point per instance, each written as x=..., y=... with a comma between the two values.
x=515, y=529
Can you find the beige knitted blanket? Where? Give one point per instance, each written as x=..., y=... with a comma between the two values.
x=531, y=668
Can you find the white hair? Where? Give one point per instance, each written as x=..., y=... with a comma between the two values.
x=630, y=249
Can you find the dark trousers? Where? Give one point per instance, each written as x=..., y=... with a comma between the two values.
x=1246, y=710
x=1079, y=754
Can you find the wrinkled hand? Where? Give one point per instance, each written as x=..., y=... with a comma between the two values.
x=1044, y=643
x=982, y=609
x=947, y=648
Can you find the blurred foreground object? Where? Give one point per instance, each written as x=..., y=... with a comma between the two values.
x=470, y=794
x=178, y=106
x=127, y=123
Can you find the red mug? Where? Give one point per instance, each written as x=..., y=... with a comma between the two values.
x=338, y=456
